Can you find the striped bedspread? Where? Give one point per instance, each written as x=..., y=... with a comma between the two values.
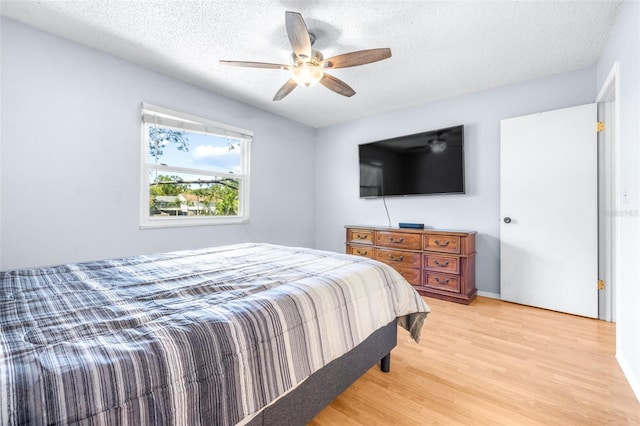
x=199, y=337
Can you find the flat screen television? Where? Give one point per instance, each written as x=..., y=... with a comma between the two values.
x=420, y=164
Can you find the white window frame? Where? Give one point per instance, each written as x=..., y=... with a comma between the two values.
x=166, y=118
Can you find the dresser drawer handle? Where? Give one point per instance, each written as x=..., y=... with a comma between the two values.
x=445, y=281
x=395, y=259
x=439, y=244
x=362, y=253
x=362, y=237
x=398, y=241
x=443, y=264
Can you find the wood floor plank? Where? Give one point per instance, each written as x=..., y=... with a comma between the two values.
x=494, y=363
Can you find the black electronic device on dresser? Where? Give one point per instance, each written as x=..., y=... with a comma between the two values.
x=409, y=225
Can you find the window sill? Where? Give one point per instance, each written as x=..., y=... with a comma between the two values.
x=192, y=221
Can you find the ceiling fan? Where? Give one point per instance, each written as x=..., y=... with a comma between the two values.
x=308, y=65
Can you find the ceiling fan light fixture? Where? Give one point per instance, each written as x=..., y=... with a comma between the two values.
x=307, y=74
x=307, y=71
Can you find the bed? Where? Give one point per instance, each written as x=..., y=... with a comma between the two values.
x=241, y=334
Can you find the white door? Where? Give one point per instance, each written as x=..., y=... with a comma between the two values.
x=548, y=206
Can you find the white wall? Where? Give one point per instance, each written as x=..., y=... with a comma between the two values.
x=624, y=46
x=71, y=147
x=337, y=196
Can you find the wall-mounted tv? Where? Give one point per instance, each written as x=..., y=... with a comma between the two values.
x=420, y=164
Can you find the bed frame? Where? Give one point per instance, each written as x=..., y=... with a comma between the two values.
x=302, y=404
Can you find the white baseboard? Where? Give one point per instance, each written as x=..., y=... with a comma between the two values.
x=628, y=374
x=489, y=295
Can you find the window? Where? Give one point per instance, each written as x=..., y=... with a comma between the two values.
x=194, y=171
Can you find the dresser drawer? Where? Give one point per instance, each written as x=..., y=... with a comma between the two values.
x=442, y=243
x=399, y=240
x=442, y=281
x=360, y=236
x=397, y=258
x=438, y=263
x=364, y=251
x=412, y=275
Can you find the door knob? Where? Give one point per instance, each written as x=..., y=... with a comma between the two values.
x=507, y=220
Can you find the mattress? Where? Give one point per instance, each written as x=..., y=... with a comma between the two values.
x=207, y=336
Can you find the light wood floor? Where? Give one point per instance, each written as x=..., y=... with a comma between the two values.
x=494, y=363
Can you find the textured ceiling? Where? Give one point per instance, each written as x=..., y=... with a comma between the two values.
x=440, y=49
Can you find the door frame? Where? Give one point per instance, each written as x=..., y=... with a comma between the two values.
x=608, y=97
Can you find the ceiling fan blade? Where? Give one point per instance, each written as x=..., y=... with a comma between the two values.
x=285, y=90
x=255, y=64
x=337, y=85
x=298, y=34
x=360, y=57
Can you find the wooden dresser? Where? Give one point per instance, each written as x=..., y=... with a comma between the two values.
x=438, y=264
